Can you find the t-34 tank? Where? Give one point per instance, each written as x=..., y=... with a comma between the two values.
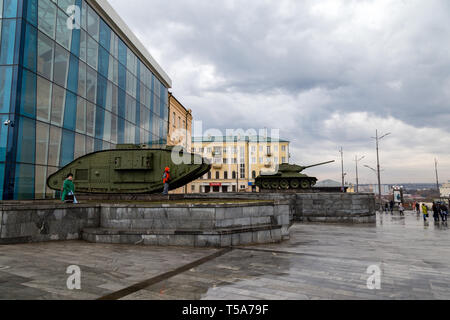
x=130, y=169
x=288, y=177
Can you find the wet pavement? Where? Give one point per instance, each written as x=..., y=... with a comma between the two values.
x=321, y=261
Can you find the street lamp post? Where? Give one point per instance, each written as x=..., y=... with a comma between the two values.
x=437, y=177
x=341, y=150
x=357, y=160
x=377, y=139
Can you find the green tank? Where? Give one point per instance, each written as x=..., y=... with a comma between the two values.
x=288, y=177
x=130, y=169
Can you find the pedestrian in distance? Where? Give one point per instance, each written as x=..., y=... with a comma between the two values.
x=417, y=208
x=166, y=181
x=425, y=212
x=391, y=206
x=68, y=190
x=435, y=209
x=444, y=212
x=401, y=209
x=386, y=208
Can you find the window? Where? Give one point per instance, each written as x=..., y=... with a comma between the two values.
x=253, y=174
x=61, y=66
x=173, y=119
x=242, y=187
x=92, y=52
x=233, y=175
x=217, y=175
x=63, y=34
x=184, y=124
x=193, y=187
x=58, y=100
x=90, y=118
x=45, y=56
x=91, y=85
x=253, y=148
x=225, y=175
x=242, y=171
x=93, y=23
x=83, y=45
x=268, y=150
x=283, y=159
x=275, y=149
x=225, y=160
x=81, y=115
x=80, y=146
x=283, y=148
x=44, y=98
x=209, y=175
x=54, y=146
x=253, y=160
x=47, y=17
x=260, y=160
x=42, y=139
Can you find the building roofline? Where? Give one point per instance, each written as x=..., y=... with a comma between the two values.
x=107, y=12
x=187, y=110
x=236, y=139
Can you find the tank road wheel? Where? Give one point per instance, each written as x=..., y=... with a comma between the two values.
x=275, y=184
x=284, y=184
x=265, y=184
x=295, y=184
x=305, y=184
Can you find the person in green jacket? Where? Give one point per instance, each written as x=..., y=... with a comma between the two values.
x=68, y=190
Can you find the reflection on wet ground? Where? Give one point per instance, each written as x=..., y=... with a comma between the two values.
x=321, y=261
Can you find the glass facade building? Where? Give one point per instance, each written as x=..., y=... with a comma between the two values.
x=70, y=85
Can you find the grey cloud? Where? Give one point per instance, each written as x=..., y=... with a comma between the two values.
x=295, y=64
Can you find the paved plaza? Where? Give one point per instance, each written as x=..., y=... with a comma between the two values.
x=321, y=261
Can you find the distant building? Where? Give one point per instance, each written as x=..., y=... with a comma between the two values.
x=237, y=161
x=180, y=129
x=445, y=190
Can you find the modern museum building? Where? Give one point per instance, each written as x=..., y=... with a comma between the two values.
x=73, y=80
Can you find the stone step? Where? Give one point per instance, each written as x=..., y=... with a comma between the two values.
x=222, y=237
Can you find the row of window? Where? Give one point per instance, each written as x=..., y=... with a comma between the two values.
x=233, y=150
x=226, y=176
x=253, y=160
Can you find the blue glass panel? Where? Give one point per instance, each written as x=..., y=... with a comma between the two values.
x=105, y=35
x=122, y=53
x=75, y=45
x=98, y=145
x=10, y=8
x=70, y=112
x=3, y=140
x=99, y=122
x=122, y=103
x=2, y=178
x=102, y=84
x=122, y=77
x=5, y=88
x=24, y=182
x=72, y=77
x=26, y=141
x=67, y=147
x=120, y=130
x=32, y=12
x=29, y=59
x=7, y=45
x=103, y=61
x=28, y=96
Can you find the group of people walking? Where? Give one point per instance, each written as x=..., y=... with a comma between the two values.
x=389, y=207
x=439, y=209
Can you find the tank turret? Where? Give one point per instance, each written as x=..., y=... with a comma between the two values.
x=288, y=177
x=131, y=169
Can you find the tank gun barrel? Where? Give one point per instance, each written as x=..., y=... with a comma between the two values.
x=319, y=164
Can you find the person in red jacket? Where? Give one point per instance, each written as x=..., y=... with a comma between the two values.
x=166, y=180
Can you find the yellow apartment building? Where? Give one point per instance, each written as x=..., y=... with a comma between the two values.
x=180, y=129
x=237, y=161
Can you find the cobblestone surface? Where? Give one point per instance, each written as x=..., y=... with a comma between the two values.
x=320, y=261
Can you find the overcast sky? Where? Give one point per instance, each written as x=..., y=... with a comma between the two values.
x=326, y=73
